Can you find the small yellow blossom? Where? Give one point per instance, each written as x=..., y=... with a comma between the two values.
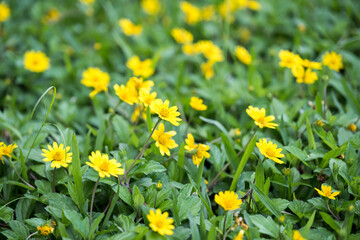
x=240, y=236
x=151, y=7
x=146, y=97
x=164, y=112
x=197, y=104
x=160, y=223
x=159, y=185
x=140, y=84
x=282, y=218
x=208, y=12
x=243, y=55
x=163, y=140
x=57, y=155
x=129, y=28
x=141, y=68
x=192, y=13
x=200, y=154
x=53, y=15
x=289, y=59
x=245, y=34
x=319, y=123
x=313, y=65
x=302, y=76
x=105, y=167
x=326, y=192
x=270, y=150
x=36, y=61
x=301, y=27
x=352, y=127
x=127, y=94
x=333, y=61
x=228, y=200
x=45, y=230
x=4, y=12
x=182, y=36
x=207, y=69
x=97, y=79
x=6, y=150
x=87, y=2
x=97, y=46
x=190, y=143
x=135, y=115
x=211, y=51
x=254, y=5
x=190, y=49
x=259, y=116
x=297, y=235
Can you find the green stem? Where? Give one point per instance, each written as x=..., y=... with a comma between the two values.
x=324, y=107
x=337, y=218
x=92, y=200
x=224, y=226
x=17, y=173
x=53, y=182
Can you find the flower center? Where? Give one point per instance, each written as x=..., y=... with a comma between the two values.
x=270, y=152
x=57, y=156
x=104, y=166
x=162, y=139
x=164, y=112
x=198, y=154
x=159, y=224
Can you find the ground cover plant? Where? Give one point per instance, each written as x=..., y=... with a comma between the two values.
x=155, y=119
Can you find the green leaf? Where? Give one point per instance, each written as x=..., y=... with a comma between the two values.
x=242, y=163
x=310, y=135
x=100, y=134
x=150, y=167
x=94, y=225
x=308, y=225
x=230, y=152
x=185, y=204
x=181, y=156
x=318, y=104
x=149, y=122
x=6, y=214
x=19, y=228
x=80, y=224
x=195, y=235
x=331, y=222
x=204, y=200
x=266, y=225
x=332, y=154
x=266, y=201
x=318, y=203
x=301, y=208
x=199, y=174
x=217, y=124
x=296, y=152
x=76, y=171
x=24, y=208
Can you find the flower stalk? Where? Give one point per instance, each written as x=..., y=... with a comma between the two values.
x=92, y=200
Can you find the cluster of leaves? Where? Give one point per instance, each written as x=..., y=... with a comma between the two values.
x=278, y=199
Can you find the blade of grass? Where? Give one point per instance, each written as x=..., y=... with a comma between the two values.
x=76, y=164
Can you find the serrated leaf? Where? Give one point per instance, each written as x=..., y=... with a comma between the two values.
x=266, y=225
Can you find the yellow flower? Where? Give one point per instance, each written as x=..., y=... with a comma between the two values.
x=45, y=230
x=182, y=36
x=190, y=143
x=4, y=12
x=127, y=94
x=207, y=69
x=163, y=140
x=159, y=185
x=57, y=155
x=333, y=61
x=53, y=15
x=87, y=2
x=259, y=117
x=226, y=8
x=105, y=167
x=297, y=235
x=245, y=34
x=301, y=27
x=6, y=150
x=243, y=55
x=303, y=76
x=254, y=5
x=313, y=65
x=146, y=97
x=200, y=154
x=228, y=200
x=319, y=123
x=240, y=236
x=270, y=150
x=211, y=51
x=352, y=127
x=160, y=222
x=136, y=114
x=139, y=84
x=326, y=192
x=289, y=59
x=208, y=12
x=97, y=79
x=129, y=28
x=36, y=61
x=192, y=13
x=190, y=49
x=140, y=68
x=162, y=109
x=97, y=46
x=151, y=7
x=197, y=104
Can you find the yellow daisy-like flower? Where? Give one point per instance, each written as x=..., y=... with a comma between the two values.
x=57, y=155
x=243, y=55
x=146, y=97
x=297, y=235
x=168, y=114
x=163, y=140
x=259, y=117
x=254, y=5
x=190, y=49
x=36, y=61
x=208, y=12
x=151, y=7
x=313, y=65
x=270, y=150
x=182, y=36
x=352, y=127
x=141, y=68
x=197, y=104
x=211, y=51
x=45, y=230
x=190, y=143
x=326, y=192
x=97, y=79
x=53, y=15
x=240, y=236
x=333, y=61
x=129, y=28
x=207, y=69
x=160, y=222
x=140, y=84
x=105, y=167
x=192, y=13
x=4, y=12
x=289, y=59
x=228, y=200
x=200, y=154
x=302, y=76
x=127, y=94
x=87, y=2
x=6, y=150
